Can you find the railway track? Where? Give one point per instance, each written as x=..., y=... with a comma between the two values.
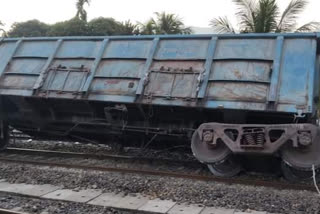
x=85, y=161
x=5, y=211
x=50, y=153
x=15, y=134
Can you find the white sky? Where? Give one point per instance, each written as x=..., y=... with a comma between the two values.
x=193, y=12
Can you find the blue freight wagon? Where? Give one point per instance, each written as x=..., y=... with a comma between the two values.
x=247, y=94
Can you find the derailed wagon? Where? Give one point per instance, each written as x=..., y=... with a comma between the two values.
x=248, y=94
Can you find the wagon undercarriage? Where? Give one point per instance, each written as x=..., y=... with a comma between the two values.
x=215, y=144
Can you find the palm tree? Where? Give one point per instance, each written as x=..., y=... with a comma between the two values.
x=128, y=28
x=164, y=24
x=170, y=24
x=81, y=12
x=263, y=16
x=148, y=28
x=3, y=32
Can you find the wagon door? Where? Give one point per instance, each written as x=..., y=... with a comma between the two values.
x=173, y=80
x=69, y=69
x=66, y=79
x=175, y=72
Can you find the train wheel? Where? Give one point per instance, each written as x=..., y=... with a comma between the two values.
x=228, y=168
x=219, y=158
x=299, y=160
x=4, y=135
x=295, y=175
x=206, y=153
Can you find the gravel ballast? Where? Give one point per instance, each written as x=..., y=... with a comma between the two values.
x=101, y=149
x=180, y=190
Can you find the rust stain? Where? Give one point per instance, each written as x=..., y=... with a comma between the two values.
x=112, y=81
x=174, y=65
x=238, y=74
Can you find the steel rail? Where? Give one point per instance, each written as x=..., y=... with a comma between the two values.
x=5, y=211
x=97, y=156
x=21, y=137
x=240, y=181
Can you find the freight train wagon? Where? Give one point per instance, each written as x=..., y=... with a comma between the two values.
x=227, y=95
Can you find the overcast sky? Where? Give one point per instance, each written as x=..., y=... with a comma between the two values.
x=194, y=13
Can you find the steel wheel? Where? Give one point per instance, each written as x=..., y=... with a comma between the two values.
x=302, y=157
x=206, y=153
x=295, y=175
x=228, y=168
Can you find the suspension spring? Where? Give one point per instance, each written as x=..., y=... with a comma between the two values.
x=260, y=138
x=249, y=139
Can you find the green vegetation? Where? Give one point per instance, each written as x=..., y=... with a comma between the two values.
x=128, y=28
x=264, y=16
x=72, y=27
x=108, y=26
x=30, y=28
x=79, y=26
x=164, y=24
x=81, y=12
x=2, y=31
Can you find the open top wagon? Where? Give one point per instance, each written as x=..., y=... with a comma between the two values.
x=247, y=94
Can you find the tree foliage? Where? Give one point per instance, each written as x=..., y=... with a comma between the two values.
x=79, y=26
x=2, y=31
x=104, y=26
x=128, y=28
x=148, y=28
x=263, y=16
x=164, y=24
x=72, y=27
x=222, y=25
x=81, y=12
x=170, y=24
x=31, y=28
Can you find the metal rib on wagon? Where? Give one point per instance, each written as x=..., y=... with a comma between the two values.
x=170, y=89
